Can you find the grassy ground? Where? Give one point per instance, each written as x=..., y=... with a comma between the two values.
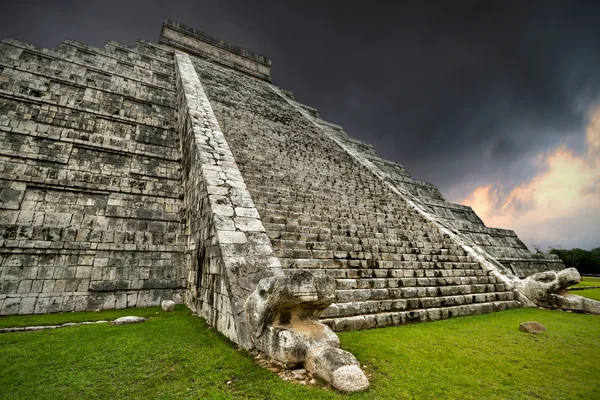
x=175, y=355
x=589, y=293
x=589, y=281
x=593, y=294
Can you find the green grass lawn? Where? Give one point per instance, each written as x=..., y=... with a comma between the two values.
x=589, y=293
x=588, y=281
x=175, y=356
x=593, y=294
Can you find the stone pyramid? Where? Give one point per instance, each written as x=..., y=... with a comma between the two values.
x=135, y=174
x=175, y=170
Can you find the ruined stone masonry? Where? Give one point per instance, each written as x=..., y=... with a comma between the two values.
x=130, y=175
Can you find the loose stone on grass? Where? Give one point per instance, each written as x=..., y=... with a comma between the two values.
x=128, y=320
x=532, y=327
x=168, y=305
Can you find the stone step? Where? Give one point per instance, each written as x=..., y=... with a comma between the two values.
x=384, y=319
x=365, y=307
x=334, y=203
x=325, y=212
x=413, y=245
x=382, y=283
x=292, y=230
x=358, y=273
x=354, y=273
x=362, y=264
x=365, y=248
x=330, y=208
x=350, y=295
x=288, y=204
x=324, y=232
x=502, y=252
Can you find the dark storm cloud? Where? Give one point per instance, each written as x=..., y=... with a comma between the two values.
x=462, y=93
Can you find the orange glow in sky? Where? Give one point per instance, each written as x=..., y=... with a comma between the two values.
x=559, y=206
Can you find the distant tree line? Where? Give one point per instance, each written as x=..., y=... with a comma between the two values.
x=586, y=262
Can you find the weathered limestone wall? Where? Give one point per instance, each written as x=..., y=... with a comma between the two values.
x=228, y=251
x=89, y=178
x=326, y=212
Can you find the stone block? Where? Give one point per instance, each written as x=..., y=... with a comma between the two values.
x=103, y=286
x=132, y=299
x=168, y=305
x=246, y=224
x=532, y=327
x=11, y=198
x=128, y=320
x=10, y=306
x=42, y=305
x=231, y=237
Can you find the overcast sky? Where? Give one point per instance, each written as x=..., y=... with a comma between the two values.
x=493, y=102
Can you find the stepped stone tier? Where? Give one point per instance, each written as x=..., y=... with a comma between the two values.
x=131, y=175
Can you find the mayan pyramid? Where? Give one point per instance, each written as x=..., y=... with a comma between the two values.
x=176, y=170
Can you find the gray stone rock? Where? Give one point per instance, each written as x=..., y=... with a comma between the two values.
x=532, y=327
x=128, y=320
x=299, y=373
x=338, y=367
x=282, y=313
x=168, y=305
x=591, y=306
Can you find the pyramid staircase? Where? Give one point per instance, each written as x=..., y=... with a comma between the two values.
x=326, y=212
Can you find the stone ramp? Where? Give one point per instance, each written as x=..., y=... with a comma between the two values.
x=326, y=212
x=235, y=282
